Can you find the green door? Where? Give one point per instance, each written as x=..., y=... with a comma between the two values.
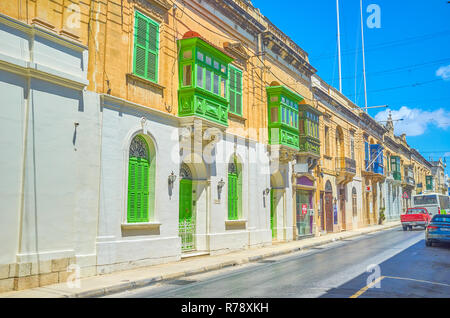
x=232, y=196
x=185, y=199
x=272, y=214
x=186, y=220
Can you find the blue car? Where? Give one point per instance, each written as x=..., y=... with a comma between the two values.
x=438, y=230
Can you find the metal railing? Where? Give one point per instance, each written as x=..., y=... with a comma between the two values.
x=186, y=230
x=345, y=164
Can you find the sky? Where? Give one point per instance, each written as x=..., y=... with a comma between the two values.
x=407, y=56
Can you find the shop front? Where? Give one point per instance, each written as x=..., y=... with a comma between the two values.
x=304, y=198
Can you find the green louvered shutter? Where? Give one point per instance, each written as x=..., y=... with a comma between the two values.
x=131, y=215
x=145, y=190
x=232, y=196
x=138, y=190
x=146, y=46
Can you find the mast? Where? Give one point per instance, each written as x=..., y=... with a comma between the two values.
x=364, y=59
x=339, y=46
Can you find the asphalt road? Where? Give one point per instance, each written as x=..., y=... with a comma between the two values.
x=393, y=263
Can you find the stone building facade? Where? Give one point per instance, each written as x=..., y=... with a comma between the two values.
x=140, y=132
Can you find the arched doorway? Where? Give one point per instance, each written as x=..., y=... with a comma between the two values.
x=186, y=225
x=276, y=204
x=193, y=204
x=329, y=206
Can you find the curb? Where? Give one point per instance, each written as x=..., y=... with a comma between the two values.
x=104, y=291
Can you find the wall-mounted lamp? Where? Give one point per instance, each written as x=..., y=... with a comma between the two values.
x=172, y=178
x=220, y=185
x=266, y=191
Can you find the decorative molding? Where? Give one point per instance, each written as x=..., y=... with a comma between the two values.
x=69, y=34
x=232, y=10
x=43, y=23
x=157, y=8
x=237, y=51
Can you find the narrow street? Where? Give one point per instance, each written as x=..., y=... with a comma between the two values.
x=341, y=269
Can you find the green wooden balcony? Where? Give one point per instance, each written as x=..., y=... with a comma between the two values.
x=203, y=80
x=283, y=116
x=309, y=130
x=397, y=176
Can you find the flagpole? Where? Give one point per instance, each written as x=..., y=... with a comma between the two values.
x=364, y=59
x=339, y=46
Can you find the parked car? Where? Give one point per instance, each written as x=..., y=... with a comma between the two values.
x=415, y=217
x=438, y=230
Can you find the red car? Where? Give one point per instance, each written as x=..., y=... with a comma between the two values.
x=415, y=217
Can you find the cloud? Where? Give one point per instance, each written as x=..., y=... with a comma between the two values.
x=444, y=72
x=415, y=120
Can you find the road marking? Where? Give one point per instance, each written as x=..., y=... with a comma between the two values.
x=418, y=280
x=364, y=289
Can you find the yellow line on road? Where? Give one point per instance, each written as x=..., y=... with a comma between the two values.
x=364, y=289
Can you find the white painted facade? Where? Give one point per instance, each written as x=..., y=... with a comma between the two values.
x=121, y=245
x=50, y=148
x=392, y=197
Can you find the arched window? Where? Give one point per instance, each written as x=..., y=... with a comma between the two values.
x=234, y=189
x=140, y=179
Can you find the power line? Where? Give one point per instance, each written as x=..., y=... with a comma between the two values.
x=402, y=86
x=388, y=44
x=397, y=69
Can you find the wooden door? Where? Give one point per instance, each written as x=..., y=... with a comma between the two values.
x=329, y=211
x=342, y=208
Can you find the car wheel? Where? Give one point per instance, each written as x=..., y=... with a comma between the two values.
x=405, y=228
x=428, y=243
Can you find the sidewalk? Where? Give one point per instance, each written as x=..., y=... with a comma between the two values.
x=102, y=285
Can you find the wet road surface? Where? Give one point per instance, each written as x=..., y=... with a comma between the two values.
x=393, y=263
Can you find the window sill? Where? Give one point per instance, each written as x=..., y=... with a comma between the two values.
x=132, y=77
x=141, y=226
x=235, y=222
x=236, y=117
